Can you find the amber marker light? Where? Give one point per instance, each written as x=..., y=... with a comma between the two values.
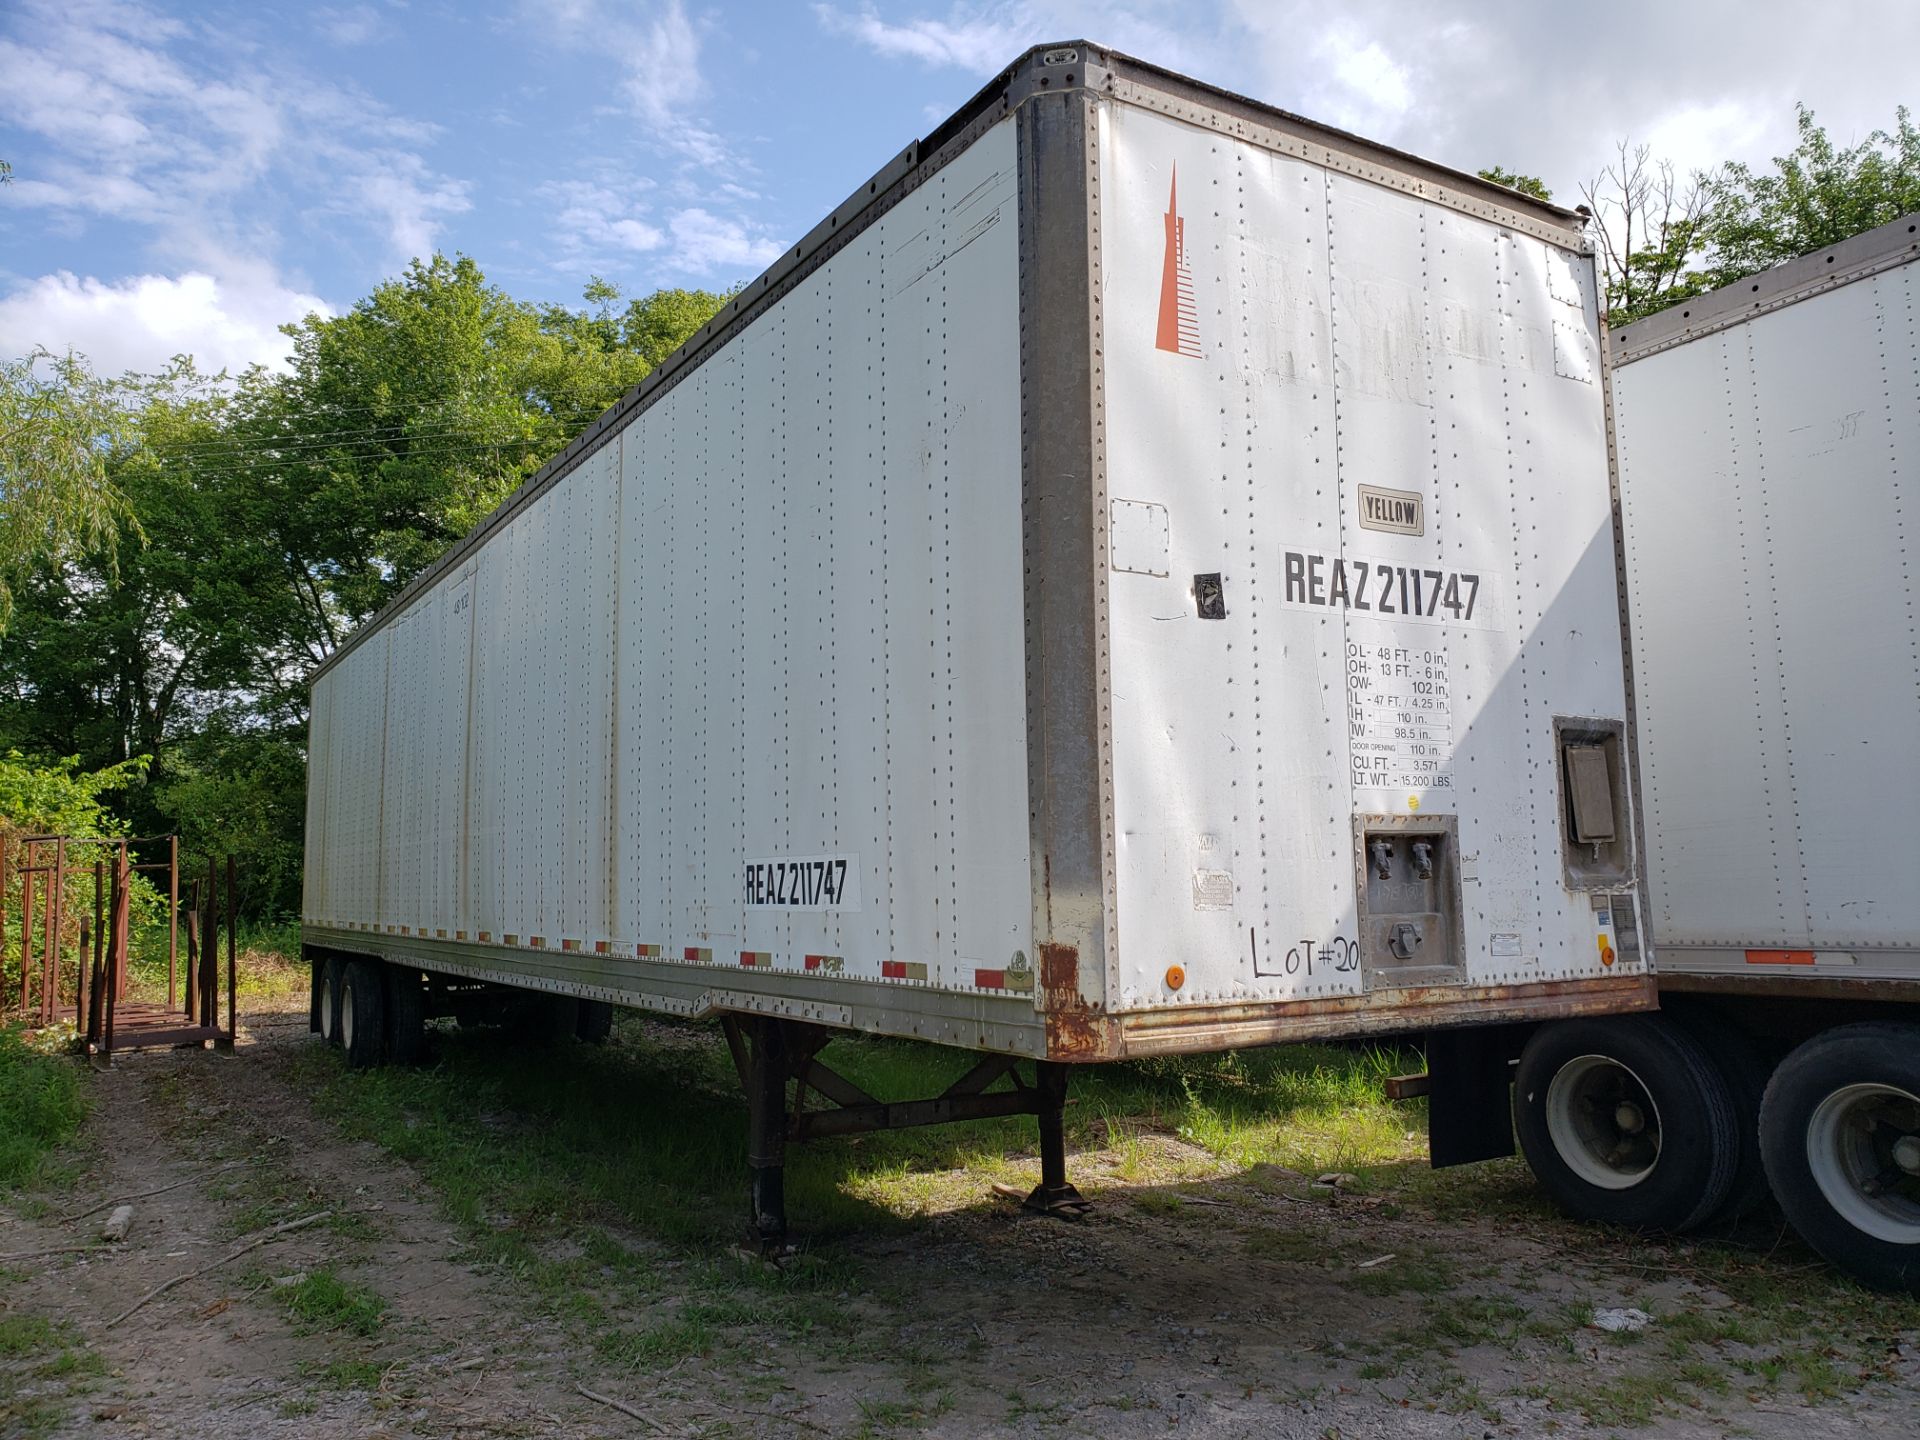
x=1176, y=977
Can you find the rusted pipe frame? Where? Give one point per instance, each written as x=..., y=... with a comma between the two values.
x=210, y=948
x=173, y=912
x=56, y=915
x=233, y=925
x=26, y=931
x=187, y=990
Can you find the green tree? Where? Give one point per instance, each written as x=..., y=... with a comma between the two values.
x=256, y=521
x=1815, y=196
x=1664, y=239
x=409, y=418
x=54, y=797
x=61, y=426
x=1526, y=184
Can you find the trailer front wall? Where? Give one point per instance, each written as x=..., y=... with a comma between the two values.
x=1767, y=471
x=743, y=690
x=1279, y=336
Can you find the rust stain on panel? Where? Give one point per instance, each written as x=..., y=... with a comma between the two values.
x=1074, y=1031
x=1215, y=1027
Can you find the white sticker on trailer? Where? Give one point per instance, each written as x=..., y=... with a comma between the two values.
x=1399, y=713
x=1392, y=590
x=804, y=882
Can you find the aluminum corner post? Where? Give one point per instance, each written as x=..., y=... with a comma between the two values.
x=1063, y=526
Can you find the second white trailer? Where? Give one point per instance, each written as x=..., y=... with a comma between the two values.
x=1140, y=577
x=1769, y=439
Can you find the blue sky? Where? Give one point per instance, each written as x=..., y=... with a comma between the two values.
x=188, y=176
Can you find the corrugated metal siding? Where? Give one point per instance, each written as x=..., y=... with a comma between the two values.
x=779, y=617
x=1767, y=473
x=1341, y=334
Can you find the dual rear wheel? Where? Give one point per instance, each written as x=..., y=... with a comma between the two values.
x=1656, y=1125
x=374, y=1011
x=377, y=1012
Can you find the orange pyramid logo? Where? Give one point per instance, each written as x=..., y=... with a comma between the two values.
x=1179, y=330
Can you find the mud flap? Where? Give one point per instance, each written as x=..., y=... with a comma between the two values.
x=1470, y=1104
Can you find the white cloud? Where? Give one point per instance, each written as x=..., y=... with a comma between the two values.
x=1366, y=89
x=662, y=83
x=142, y=321
x=708, y=244
x=598, y=224
x=1535, y=88
x=968, y=39
x=1699, y=137
x=408, y=197
x=149, y=123
x=350, y=25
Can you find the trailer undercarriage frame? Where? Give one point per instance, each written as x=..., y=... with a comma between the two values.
x=781, y=1071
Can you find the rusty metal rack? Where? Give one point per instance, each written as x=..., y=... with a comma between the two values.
x=99, y=943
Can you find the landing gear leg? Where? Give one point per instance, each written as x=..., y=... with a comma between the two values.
x=1053, y=1195
x=760, y=1046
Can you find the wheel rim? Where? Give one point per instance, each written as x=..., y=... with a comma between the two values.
x=346, y=1016
x=1603, y=1122
x=326, y=1011
x=1863, y=1147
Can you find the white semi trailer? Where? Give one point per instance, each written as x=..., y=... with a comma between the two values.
x=1140, y=577
x=1769, y=458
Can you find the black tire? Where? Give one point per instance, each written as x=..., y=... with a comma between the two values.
x=332, y=973
x=363, y=1005
x=1840, y=1132
x=1746, y=1073
x=317, y=997
x=595, y=1023
x=1626, y=1121
x=406, y=1015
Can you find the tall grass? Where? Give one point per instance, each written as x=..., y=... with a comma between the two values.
x=41, y=1106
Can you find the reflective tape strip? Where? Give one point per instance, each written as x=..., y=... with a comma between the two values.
x=758, y=959
x=1779, y=957
x=699, y=956
x=990, y=979
x=902, y=970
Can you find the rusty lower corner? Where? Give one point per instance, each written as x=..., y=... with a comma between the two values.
x=1076, y=1032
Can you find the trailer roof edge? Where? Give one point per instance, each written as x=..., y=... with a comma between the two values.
x=1073, y=64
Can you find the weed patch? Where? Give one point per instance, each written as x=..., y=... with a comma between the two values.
x=323, y=1301
x=41, y=1106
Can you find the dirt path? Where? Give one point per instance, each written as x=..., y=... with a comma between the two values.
x=1243, y=1305
x=219, y=1355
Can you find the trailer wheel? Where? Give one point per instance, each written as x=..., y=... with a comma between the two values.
x=1626, y=1121
x=406, y=1015
x=595, y=1023
x=317, y=998
x=1746, y=1073
x=362, y=1013
x=1840, y=1130
x=330, y=978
